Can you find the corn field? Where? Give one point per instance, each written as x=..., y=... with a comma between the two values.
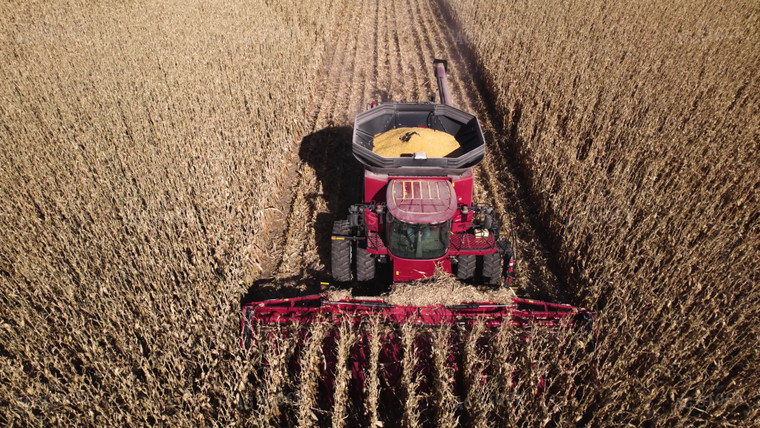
x=636, y=128
x=164, y=161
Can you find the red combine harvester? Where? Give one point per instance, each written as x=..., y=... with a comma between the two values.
x=417, y=215
x=417, y=210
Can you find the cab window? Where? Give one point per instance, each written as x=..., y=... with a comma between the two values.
x=419, y=241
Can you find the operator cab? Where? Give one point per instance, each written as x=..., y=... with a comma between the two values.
x=418, y=240
x=419, y=217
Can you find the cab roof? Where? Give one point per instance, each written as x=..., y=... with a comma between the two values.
x=421, y=200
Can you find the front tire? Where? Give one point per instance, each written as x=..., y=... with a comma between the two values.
x=466, y=267
x=365, y=265
x=340, y=252
x=492, y=268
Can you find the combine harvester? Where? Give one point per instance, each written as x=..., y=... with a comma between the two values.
x=418, y=216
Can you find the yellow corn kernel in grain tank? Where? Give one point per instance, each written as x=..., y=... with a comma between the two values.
x=407, y=141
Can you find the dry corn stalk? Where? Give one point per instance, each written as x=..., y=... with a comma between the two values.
x=410, y=378
x=373, y=374
x=312, y=370
x=476, y=391
x=446, y=403
x=271, y=395
x=346, y=339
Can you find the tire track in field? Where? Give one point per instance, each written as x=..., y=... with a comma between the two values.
x=319, y=196
x=341, y=174
x=415, y=53
x=407, y=55
x=384, y=69
x=302, y=173
x=372, y=90
x=396, y=90
x=275, y=221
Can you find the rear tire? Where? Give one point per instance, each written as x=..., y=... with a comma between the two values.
x=340, y=252
x=466, y=267
x=492, y=268
x=365, y=265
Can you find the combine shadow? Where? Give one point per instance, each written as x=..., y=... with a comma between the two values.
x=341, y=176
x=328, y=152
